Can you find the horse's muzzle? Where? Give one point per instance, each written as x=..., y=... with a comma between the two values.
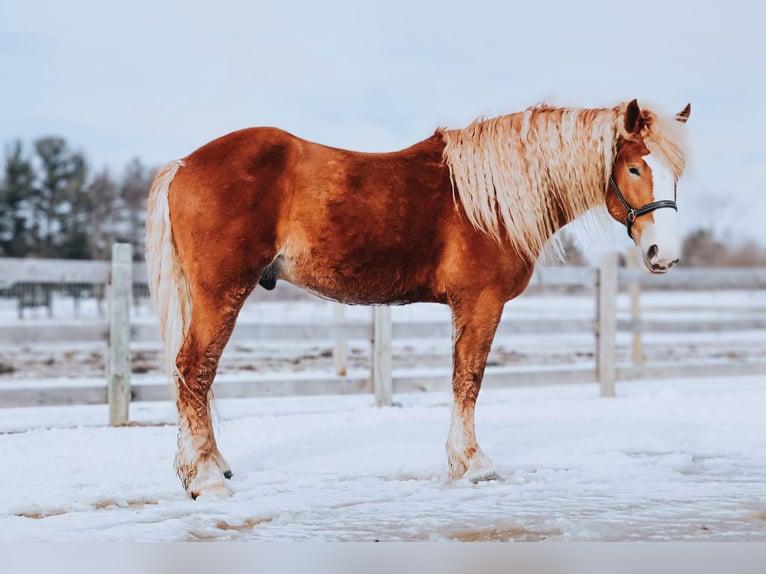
x=654, y=263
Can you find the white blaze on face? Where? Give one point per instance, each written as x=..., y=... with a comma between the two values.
x=663, y=233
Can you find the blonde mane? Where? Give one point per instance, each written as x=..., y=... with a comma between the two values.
x=529, y=173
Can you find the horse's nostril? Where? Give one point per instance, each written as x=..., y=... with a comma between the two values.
x=652, y=251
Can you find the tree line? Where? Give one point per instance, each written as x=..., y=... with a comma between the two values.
x=52, y=205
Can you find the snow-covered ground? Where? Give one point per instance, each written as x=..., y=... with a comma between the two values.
x=665, y=460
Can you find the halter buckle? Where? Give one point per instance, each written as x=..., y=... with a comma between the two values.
x=634, y=213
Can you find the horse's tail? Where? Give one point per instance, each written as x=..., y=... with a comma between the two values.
x=168, y=284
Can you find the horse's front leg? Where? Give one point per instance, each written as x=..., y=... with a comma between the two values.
x=474, y=322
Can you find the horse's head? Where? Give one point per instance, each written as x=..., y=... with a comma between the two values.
x=642, y=187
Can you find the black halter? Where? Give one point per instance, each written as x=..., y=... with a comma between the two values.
x=634, y=213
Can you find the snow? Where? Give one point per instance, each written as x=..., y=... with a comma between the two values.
x=665, y=460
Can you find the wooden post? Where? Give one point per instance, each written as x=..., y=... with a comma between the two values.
x=607, y=324
x=634, y=262
x=382, y=383
x=119, y=334
x=339, y=353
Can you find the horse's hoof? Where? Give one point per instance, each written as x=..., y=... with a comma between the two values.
x=228, y=474
x=217, y=492
x=206, y=479
x=480, y=469
x=484, y=477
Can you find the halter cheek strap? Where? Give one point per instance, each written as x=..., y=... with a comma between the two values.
x=634, y=213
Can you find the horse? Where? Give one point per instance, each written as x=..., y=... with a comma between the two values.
x=460, y=218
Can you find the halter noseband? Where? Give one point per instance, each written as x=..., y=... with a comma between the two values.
x=634, y=213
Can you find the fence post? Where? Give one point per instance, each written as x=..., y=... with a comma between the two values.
x=339, y=353
x=606, y=333
x=118, y=380
x=382, y=384
x=634, y=262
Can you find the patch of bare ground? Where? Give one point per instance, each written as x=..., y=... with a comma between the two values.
x=98, y=505
x=227, y=529
x=130, y=503
x=38, y=515
x=496, y=533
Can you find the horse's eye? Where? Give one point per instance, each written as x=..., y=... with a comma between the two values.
x=634, y=170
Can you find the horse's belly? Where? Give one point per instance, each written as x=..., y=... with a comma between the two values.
x=367, y=280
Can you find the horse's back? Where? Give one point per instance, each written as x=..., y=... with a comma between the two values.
x=254, y=163
x=243, y=156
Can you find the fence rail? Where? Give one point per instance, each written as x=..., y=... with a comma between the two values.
x=62, y=271
x=604, y=326
x=96, y=332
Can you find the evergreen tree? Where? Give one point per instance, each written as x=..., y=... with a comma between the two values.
x=49, y=207
x=59, y=209
x=17, y=191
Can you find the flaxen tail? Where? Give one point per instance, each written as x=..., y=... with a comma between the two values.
x=168, y=285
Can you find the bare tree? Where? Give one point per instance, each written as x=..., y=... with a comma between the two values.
x=134, y=190
x=103, y=198
x=702, y=249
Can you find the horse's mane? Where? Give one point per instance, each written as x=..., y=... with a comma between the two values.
x=525, y=172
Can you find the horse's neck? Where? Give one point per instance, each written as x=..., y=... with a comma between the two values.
x=524, y=176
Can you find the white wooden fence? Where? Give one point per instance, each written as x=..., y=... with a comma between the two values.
x=381, y=381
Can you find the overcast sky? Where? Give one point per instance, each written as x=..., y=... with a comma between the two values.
x=157, y=80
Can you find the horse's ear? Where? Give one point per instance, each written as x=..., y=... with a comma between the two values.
x=633, y=122
x=683, y=115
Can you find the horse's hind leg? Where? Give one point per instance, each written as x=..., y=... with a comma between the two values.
x=475, y=321
x=199, y=463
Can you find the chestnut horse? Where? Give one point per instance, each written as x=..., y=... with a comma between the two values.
x=459, y=218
